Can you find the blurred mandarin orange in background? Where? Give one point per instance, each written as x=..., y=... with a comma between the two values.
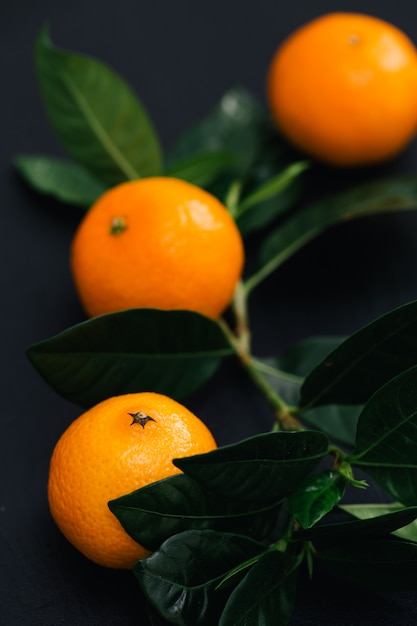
x=343, y=88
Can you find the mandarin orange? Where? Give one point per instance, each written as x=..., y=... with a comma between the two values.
x=114, y=448
x=157, y=242
x=343, y=88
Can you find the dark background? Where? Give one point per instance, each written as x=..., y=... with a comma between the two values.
x=180, y=56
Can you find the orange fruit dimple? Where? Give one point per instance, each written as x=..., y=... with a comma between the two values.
x=157, y=242
x=343, y=88
x=111, y=450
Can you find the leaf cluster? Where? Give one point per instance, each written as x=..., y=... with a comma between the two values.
x=229, y=534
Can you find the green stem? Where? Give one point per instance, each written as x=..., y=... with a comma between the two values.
x=240, y=311
x=240, y=339
x=344, y=467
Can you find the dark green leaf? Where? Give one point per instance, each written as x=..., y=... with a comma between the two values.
x=379, y=564
x=201, y=169
x=152, y=514
x=264, y=468
x=354, y=530
x=180, y=579
x=386, y=441
x=365, y=361
x=366, y=199
x=305, y=355
x=64, y=180
x=337, y=421
x=286, y=373
x=266, y=595
x=96, y=115
x=370, y=510
x=271, y=198
x=315, y=497
x=153, y=616
x=170, y=352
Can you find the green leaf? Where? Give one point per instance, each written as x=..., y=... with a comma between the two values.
x=379, y=564
x=286, y=373
x=305, y=355
x=386, y=441
x=170, y=352
x=365, y=361
x=340, y=532
x=339, y=422
x=154, y=618
x=267, y=593
x=315, y=497
x=269, y=199
x=371, y=510
x=64, y=180
x=232, y=126
x=201, y=169
x=96, y=115
x=180, y=578
x=395, y=194
x=264, y=468
x=152, y=514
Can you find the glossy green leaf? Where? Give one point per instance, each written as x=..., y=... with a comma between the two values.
x=267, y=593
x=375, y=564
x=315, y=497
x=264, y=468
x=201, y=169
x=393, y=194
x=96, y=115
x=180, y=578
x=370, y=510
x=64, y=180
x=152, y=514
x=386, y=441
x=365, y=361
x=337, y=533
x=170, y=352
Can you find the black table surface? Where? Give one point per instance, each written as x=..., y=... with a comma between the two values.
x=180, y=57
